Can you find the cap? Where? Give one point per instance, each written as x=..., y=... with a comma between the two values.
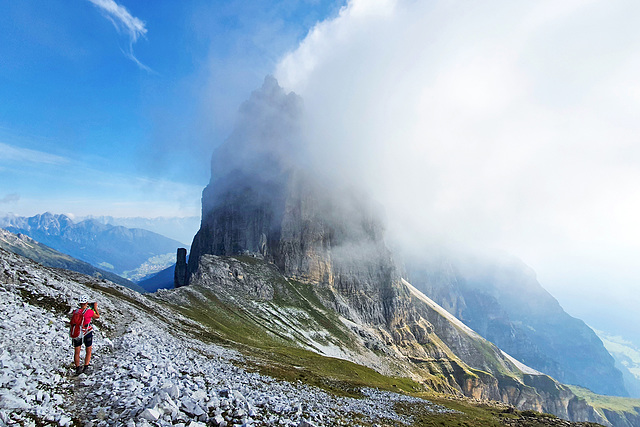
x=84, y=299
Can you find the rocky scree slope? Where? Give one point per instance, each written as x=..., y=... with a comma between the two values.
x=328, y=236
x=149, y=368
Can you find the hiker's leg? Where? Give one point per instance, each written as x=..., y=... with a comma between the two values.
x=76, y=355
x=88, y=341
x=87, y=357
x=77, y=346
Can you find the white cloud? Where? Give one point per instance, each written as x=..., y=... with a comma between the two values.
x=124, y=22
x=10, y=154
x=10, y=198
x=35, y=181
x=507, y=125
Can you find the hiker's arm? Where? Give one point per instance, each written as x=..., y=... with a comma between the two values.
x=96, y=314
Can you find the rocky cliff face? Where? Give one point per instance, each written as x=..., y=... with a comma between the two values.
x=259, y=202
x=243, y=204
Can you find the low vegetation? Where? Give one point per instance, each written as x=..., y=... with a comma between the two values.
x=604, y=404
x=272, y=353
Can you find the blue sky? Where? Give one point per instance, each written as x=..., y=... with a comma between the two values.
x=494, y=126
x=114, y=108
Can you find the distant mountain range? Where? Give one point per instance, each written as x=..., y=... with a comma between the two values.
x=133, y=253
x=181, y=229
x=24, y=245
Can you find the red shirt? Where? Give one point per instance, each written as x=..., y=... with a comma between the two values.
x=86, y=324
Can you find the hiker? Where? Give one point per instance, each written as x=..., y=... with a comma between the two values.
x=82, y=332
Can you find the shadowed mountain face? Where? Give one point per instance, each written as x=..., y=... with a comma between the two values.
x=260, y=204
x=503, y=301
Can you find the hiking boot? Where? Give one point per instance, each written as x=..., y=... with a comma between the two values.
x=79, y=370
x=87, y=369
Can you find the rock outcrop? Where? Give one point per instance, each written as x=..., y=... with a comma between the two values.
x=180, y=272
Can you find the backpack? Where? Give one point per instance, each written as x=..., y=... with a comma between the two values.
x=75, y=329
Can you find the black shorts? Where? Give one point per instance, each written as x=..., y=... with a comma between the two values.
x=88, y=340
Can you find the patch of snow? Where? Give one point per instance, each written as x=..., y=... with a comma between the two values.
x=524, y=368
x=444, y=313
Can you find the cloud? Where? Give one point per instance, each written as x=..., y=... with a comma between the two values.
x=12, y=155
x=124, y=22
x=10, y=198
x=504, y=125
x=83, y=189
x=88, y=185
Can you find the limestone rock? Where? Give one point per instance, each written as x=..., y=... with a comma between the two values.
x=180, y=272
x=150, y=414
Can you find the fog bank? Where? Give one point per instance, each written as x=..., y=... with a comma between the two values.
x=495, y=126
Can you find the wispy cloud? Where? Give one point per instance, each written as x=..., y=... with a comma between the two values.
x=10, y=198
x=124, y=22
x=11, y=154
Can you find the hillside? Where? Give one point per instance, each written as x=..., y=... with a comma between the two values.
x=27, y=247
x=619, y=411
x=154, y=365
x=132, y=253
x=627, y=356
x=502, y=300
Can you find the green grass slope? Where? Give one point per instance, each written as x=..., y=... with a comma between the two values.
x=271, y=352
x=620, y=411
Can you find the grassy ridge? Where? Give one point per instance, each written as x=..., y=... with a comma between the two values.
x=609, y=403
x=280, y=356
